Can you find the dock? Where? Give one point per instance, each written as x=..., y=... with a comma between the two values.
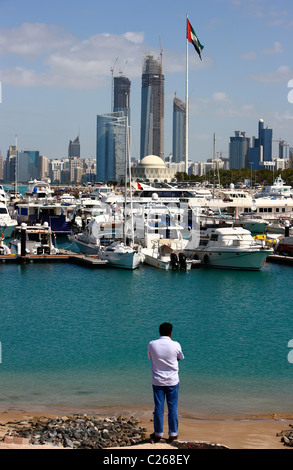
x=280, y=259
x=92, y=261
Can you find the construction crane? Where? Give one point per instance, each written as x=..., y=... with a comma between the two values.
x=121, y=71
x=112, y=85
x=282, y=144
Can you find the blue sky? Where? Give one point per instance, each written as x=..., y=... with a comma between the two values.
x=56, y=59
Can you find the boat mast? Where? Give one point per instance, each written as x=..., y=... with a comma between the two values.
x=129, y=169
x=15, y=167
x=186, y=108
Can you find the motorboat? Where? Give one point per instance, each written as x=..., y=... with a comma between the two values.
x=7, y=223
x=40, y=190
x=58, y=216
x=3, y=196
x=285, y=246
x=103, y=237
x=120, y=255
x=38, y=240
x=4, y=249
x=277, y=190
x=230, y=247
x=163, y=243
x=253, y=222
x=101, y=229
x=166, y=253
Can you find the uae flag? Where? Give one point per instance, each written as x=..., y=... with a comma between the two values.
x=192, y=37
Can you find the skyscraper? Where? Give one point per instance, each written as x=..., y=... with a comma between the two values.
x=152, y=107
x=121, y=94
x=74, y=148
x=239, y=151
x=179, y=126
x=261, y=151
x=111, y=146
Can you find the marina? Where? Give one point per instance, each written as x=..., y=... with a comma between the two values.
x=233, y=328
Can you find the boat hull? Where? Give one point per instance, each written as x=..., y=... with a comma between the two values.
x=255, y=227
x=7, y=230
x=164, y=262
x=245, y=260
x=122, y=260
x=86, y=248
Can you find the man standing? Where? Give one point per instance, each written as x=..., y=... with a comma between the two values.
x=164, y=354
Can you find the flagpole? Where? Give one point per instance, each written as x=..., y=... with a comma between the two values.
x=186, y=107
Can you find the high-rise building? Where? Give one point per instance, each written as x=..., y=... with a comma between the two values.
x=111, y=146
x=27, y=165
x=261, y=151
x=179, y=126
x=152, y=107
x=74, y=148
x=121, y=94
x=239, y=151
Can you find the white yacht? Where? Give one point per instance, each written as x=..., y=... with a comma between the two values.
x=54, y=213
x=38, y=240
x=97, y=237
x=163, y=242
x=252, y=222
x=100, y=229
x=40, y=190
x=120, y=255
x=7, y=223
x=230, y=247
x=277, y=189
x=166, y=253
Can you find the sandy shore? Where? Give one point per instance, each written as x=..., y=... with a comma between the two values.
x=254, y=432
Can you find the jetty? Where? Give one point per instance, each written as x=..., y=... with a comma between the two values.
x=92, y=261
x=280, y=259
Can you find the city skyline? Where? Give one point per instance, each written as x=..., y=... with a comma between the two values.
x=55, y=70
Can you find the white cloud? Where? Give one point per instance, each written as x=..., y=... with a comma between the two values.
x=282, y=74
x=276, y=49
x=31, y=39
x=253, y=55
x=220, y=96
x=59, y=59
x=221, y=105
x=137, y=38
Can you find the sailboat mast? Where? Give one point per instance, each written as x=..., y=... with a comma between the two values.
x=186, y=108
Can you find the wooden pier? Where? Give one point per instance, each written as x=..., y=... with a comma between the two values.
x=92, y=261
x=280, y=259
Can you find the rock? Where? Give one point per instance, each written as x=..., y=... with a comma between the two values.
x=80, y=431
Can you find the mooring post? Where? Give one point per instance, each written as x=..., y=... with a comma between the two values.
x=23, y=240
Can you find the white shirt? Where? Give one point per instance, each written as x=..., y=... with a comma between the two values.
x=164, y=354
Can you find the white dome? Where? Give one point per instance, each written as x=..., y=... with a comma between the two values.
x=152, y=161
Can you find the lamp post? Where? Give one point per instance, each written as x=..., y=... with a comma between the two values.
x=250, y=163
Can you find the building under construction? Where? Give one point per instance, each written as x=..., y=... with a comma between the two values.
x=152, y=107
x=121, y=93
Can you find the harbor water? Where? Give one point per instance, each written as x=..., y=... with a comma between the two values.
x=74, y=337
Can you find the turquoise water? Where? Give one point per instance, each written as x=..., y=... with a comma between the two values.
x=76, y=337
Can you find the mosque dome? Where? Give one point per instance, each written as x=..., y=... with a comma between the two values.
x=152, y=161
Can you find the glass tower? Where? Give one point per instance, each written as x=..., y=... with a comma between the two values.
x=179, y=124
x=239, y=151
x=74, y=148
x=111, y=146
x=152, y=107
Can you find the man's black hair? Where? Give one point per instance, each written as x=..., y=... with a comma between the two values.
x=165, y=329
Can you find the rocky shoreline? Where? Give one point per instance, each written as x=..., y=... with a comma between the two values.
x=79, y=431
x=88, y=432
